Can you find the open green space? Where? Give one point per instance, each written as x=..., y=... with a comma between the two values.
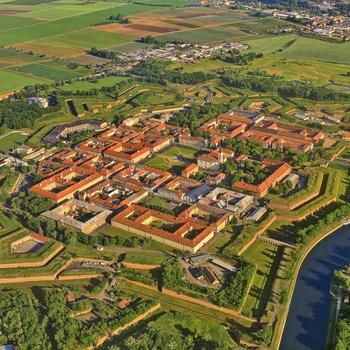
x=174, y=159
x=7, y=255
x=50, y=268
x=9, y=223
x=178, y=329
x=243, y=327
x=88, y=85
x=11, y=140
x=219, y=243
x=266, y=257
x=145, y=258
x=159, y=201
x=149, y=98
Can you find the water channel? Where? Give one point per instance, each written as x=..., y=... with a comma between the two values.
x=307, y=320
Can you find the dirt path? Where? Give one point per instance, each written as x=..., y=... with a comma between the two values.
x=140, y=266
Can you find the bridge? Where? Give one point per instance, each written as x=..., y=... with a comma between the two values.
x=274, y=241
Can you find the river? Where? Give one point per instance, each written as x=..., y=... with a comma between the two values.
x=307, y=320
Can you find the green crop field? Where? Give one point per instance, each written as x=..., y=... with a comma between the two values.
x=204, y=35
x=183, y=24
x=9, y=22
x=11, y=81
x=270, y=44
x=9, y=58
x=41, y=70
x=85, y=39
x=313, y=49
x=259, y=25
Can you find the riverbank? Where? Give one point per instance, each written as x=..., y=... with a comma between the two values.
x=280, y=324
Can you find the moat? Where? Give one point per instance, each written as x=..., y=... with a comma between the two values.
x=306, y=325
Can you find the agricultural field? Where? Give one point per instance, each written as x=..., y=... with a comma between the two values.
x=259, y=25
x=11, y=81
x=41, y=70
x=205, y=35
x=9, y=58
x=311, y=49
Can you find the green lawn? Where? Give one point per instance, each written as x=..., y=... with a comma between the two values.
x=8, y=224
x=12, y=140
x=219, y=243
x=180, y=151
x=145, y=258
x=281, y=230
x=156, y=201
x=84, y=251
x=266, y=257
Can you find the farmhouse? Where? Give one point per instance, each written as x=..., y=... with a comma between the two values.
x=174, y=231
